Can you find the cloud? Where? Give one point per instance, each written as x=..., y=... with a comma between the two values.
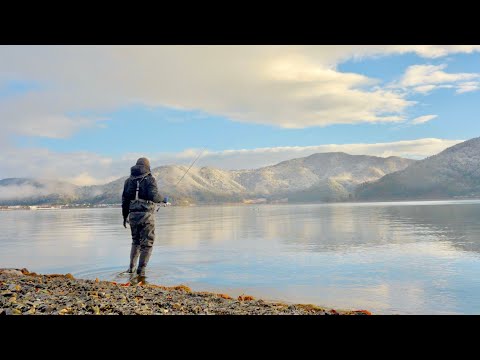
x=432, y=74
x=259, y=157
x=286, y=86
x=424, y=89
x=423, y=119
x=80, y=168
x=255, y=158
x=425, y=51
x=425, y=78
x=22, y=191
x=89, y=168
x=468, y=86
x=282, y=86
x=85, y=179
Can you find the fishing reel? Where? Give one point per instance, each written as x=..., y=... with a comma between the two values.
x=164, y=203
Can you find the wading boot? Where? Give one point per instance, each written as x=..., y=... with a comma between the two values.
x=134, y=253
x=144, y=257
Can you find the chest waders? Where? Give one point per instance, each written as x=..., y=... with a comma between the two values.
x=142, y=225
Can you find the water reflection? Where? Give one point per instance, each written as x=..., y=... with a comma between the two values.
x=458, y=225
x=386, y=257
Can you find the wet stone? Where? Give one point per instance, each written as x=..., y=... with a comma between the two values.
x=40, y=294
x=11, y=272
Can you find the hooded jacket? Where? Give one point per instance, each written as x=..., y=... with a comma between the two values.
x=148, y=186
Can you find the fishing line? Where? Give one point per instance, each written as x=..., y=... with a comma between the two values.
x=194, y=161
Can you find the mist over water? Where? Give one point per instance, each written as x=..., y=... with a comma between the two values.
x=389, y=258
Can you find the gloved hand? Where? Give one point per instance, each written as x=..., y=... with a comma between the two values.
x=125, y=222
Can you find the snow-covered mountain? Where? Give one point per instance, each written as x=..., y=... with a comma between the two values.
x=338, y=171
x=455, y=172
x=319, y=177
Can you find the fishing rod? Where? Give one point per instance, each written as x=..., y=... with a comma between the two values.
x=194, y=161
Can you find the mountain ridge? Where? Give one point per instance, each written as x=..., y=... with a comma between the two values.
x=323, y=176
x=452, y=173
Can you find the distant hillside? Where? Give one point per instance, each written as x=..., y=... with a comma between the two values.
x=455, y=172
x=318, y=177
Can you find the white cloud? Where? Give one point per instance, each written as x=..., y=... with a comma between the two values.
x=85, y=179
x=269, y=86
x=425, y=89
x=425, y=78
x=90, y=168
x=432, y=74
x=436, y=51
x=255, y=158
x=426, y=51
x=423, y=119
x=22, y=191
x=288, y=86
x=468, y=86
x=80, y=168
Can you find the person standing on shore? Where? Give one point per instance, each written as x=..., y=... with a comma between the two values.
x=139, y=199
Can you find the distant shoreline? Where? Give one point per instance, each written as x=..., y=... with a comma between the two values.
x=117, y=206
x=25, y=293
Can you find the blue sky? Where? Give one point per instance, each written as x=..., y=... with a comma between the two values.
x=76, y=107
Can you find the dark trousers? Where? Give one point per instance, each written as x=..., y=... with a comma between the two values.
x=142, y=226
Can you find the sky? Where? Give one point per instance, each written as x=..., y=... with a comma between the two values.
x=84, y=114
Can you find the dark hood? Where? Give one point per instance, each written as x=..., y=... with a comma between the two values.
x=139, y=170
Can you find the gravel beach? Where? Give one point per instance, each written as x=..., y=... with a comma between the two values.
x=26, y=293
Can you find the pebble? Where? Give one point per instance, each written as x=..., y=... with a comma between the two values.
x=24, y=293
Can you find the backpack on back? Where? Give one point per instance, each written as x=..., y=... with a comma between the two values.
x=141, y=205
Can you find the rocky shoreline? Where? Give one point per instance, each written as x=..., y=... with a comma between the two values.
x=25, y=293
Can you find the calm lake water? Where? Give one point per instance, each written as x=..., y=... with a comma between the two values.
x=389, y=258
